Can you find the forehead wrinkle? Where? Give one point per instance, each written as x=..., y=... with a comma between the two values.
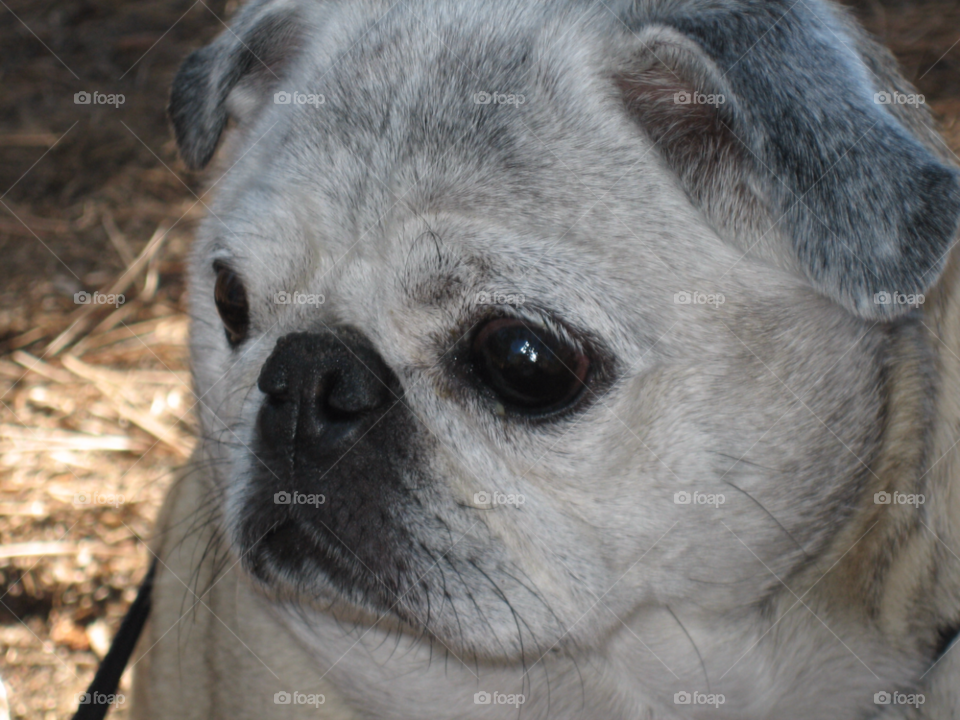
x=434, y=275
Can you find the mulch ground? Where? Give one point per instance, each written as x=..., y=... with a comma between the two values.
x=95, y=399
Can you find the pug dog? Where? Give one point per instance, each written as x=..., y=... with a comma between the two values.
x=563, y=359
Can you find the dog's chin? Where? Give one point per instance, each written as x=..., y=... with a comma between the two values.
x=286, y=558
x=294, y=563
x=289, y=561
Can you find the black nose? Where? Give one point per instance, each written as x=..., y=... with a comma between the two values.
x=323, y=390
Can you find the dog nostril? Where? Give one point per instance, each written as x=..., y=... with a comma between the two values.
x=276, y=394
x=352, y=393
x=273, y=381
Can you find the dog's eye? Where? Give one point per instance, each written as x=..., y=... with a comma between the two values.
x=531, y=370
x=231, y=299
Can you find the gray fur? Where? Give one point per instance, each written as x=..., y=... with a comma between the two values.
x=866, y=205
x=399, y=199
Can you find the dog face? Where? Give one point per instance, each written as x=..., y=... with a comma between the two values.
x=499, y=326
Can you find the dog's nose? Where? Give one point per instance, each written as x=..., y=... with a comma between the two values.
x=322, y=388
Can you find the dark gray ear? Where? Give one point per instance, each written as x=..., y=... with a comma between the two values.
x=251, y=52
x=803, y=138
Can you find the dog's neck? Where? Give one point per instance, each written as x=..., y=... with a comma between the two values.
x=941, y=468
x=896, y=566
x=918, y=456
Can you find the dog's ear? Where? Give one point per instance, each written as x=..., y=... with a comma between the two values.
x=250, y=55
x=776, y=123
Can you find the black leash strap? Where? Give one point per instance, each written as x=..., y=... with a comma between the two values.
x=95, y=703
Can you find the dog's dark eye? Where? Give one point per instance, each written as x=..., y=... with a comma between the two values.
x=231, y=300
x=531, y=370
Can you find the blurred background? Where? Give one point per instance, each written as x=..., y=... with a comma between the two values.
x=95, y=399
